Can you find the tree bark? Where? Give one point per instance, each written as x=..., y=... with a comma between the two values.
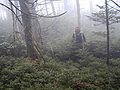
x=26, y=19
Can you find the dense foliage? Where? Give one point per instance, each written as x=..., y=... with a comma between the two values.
x=66, y=68
x=90, y=74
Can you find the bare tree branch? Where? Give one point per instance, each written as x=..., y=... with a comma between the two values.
x=115, y=3
x=53, y=16
x=113, y=8
x=37, y=15
x=12, y=12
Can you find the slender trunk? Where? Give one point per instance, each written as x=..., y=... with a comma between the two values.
x=78, y=13
x=91, y=7
x=53, y=8
x=46, y=7
x=107, y=26
x=13, y=27
x=91, y=11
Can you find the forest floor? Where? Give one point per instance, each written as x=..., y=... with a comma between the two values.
x=90, y=74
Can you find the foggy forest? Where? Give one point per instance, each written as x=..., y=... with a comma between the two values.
x=59, y=45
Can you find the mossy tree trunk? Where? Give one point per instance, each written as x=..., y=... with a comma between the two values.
x=26, y=19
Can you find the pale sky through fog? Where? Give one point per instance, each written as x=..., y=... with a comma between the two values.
x=60, y=6
x=70, y=4
x=3, y=14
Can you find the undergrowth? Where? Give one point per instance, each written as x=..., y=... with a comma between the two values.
x=89, y=74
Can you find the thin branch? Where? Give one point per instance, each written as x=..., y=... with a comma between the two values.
x=35, y=15
x=35, y=1
x=32, y=3
x=43, y=3
x=114, y=22
x=12, y=12
x=113, y=7
x=53, y=16
x=17, y=8
x=115, y=3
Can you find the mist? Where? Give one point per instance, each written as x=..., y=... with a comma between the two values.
x=59, y=44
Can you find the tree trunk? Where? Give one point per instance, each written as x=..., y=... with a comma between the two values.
x=107, y=27
x=91, y=11
x=78, y=13
x=46, y=7
x=26, y=19
x=91, y=7
x=53, y=8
